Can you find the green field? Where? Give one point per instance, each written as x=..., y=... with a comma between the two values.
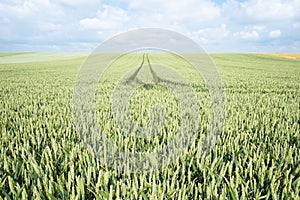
x=256, y=157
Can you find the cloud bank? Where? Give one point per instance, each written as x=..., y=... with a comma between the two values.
x=218, y=26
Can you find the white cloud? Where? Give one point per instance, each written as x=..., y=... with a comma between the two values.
x=262, y=11
x=188, y=11
x=271, y=9
x=93, y=23
x=248, y=35
x=256, y=27
x=213, y=25
x=210, y=35
x=46, y=26
x=275, y=33
x=32, y=9
x=108, y=18
x=79, y=2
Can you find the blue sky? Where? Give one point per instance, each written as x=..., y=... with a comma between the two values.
x=218, y=26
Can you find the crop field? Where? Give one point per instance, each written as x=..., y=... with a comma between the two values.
x=257, y=155
x=286, y=55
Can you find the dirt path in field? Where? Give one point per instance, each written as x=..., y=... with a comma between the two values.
x=157, y=79
x=145, y=63
x=134, y=75
x=295, y=56
x=154, y=76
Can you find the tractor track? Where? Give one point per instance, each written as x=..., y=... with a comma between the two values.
x=156, y=78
